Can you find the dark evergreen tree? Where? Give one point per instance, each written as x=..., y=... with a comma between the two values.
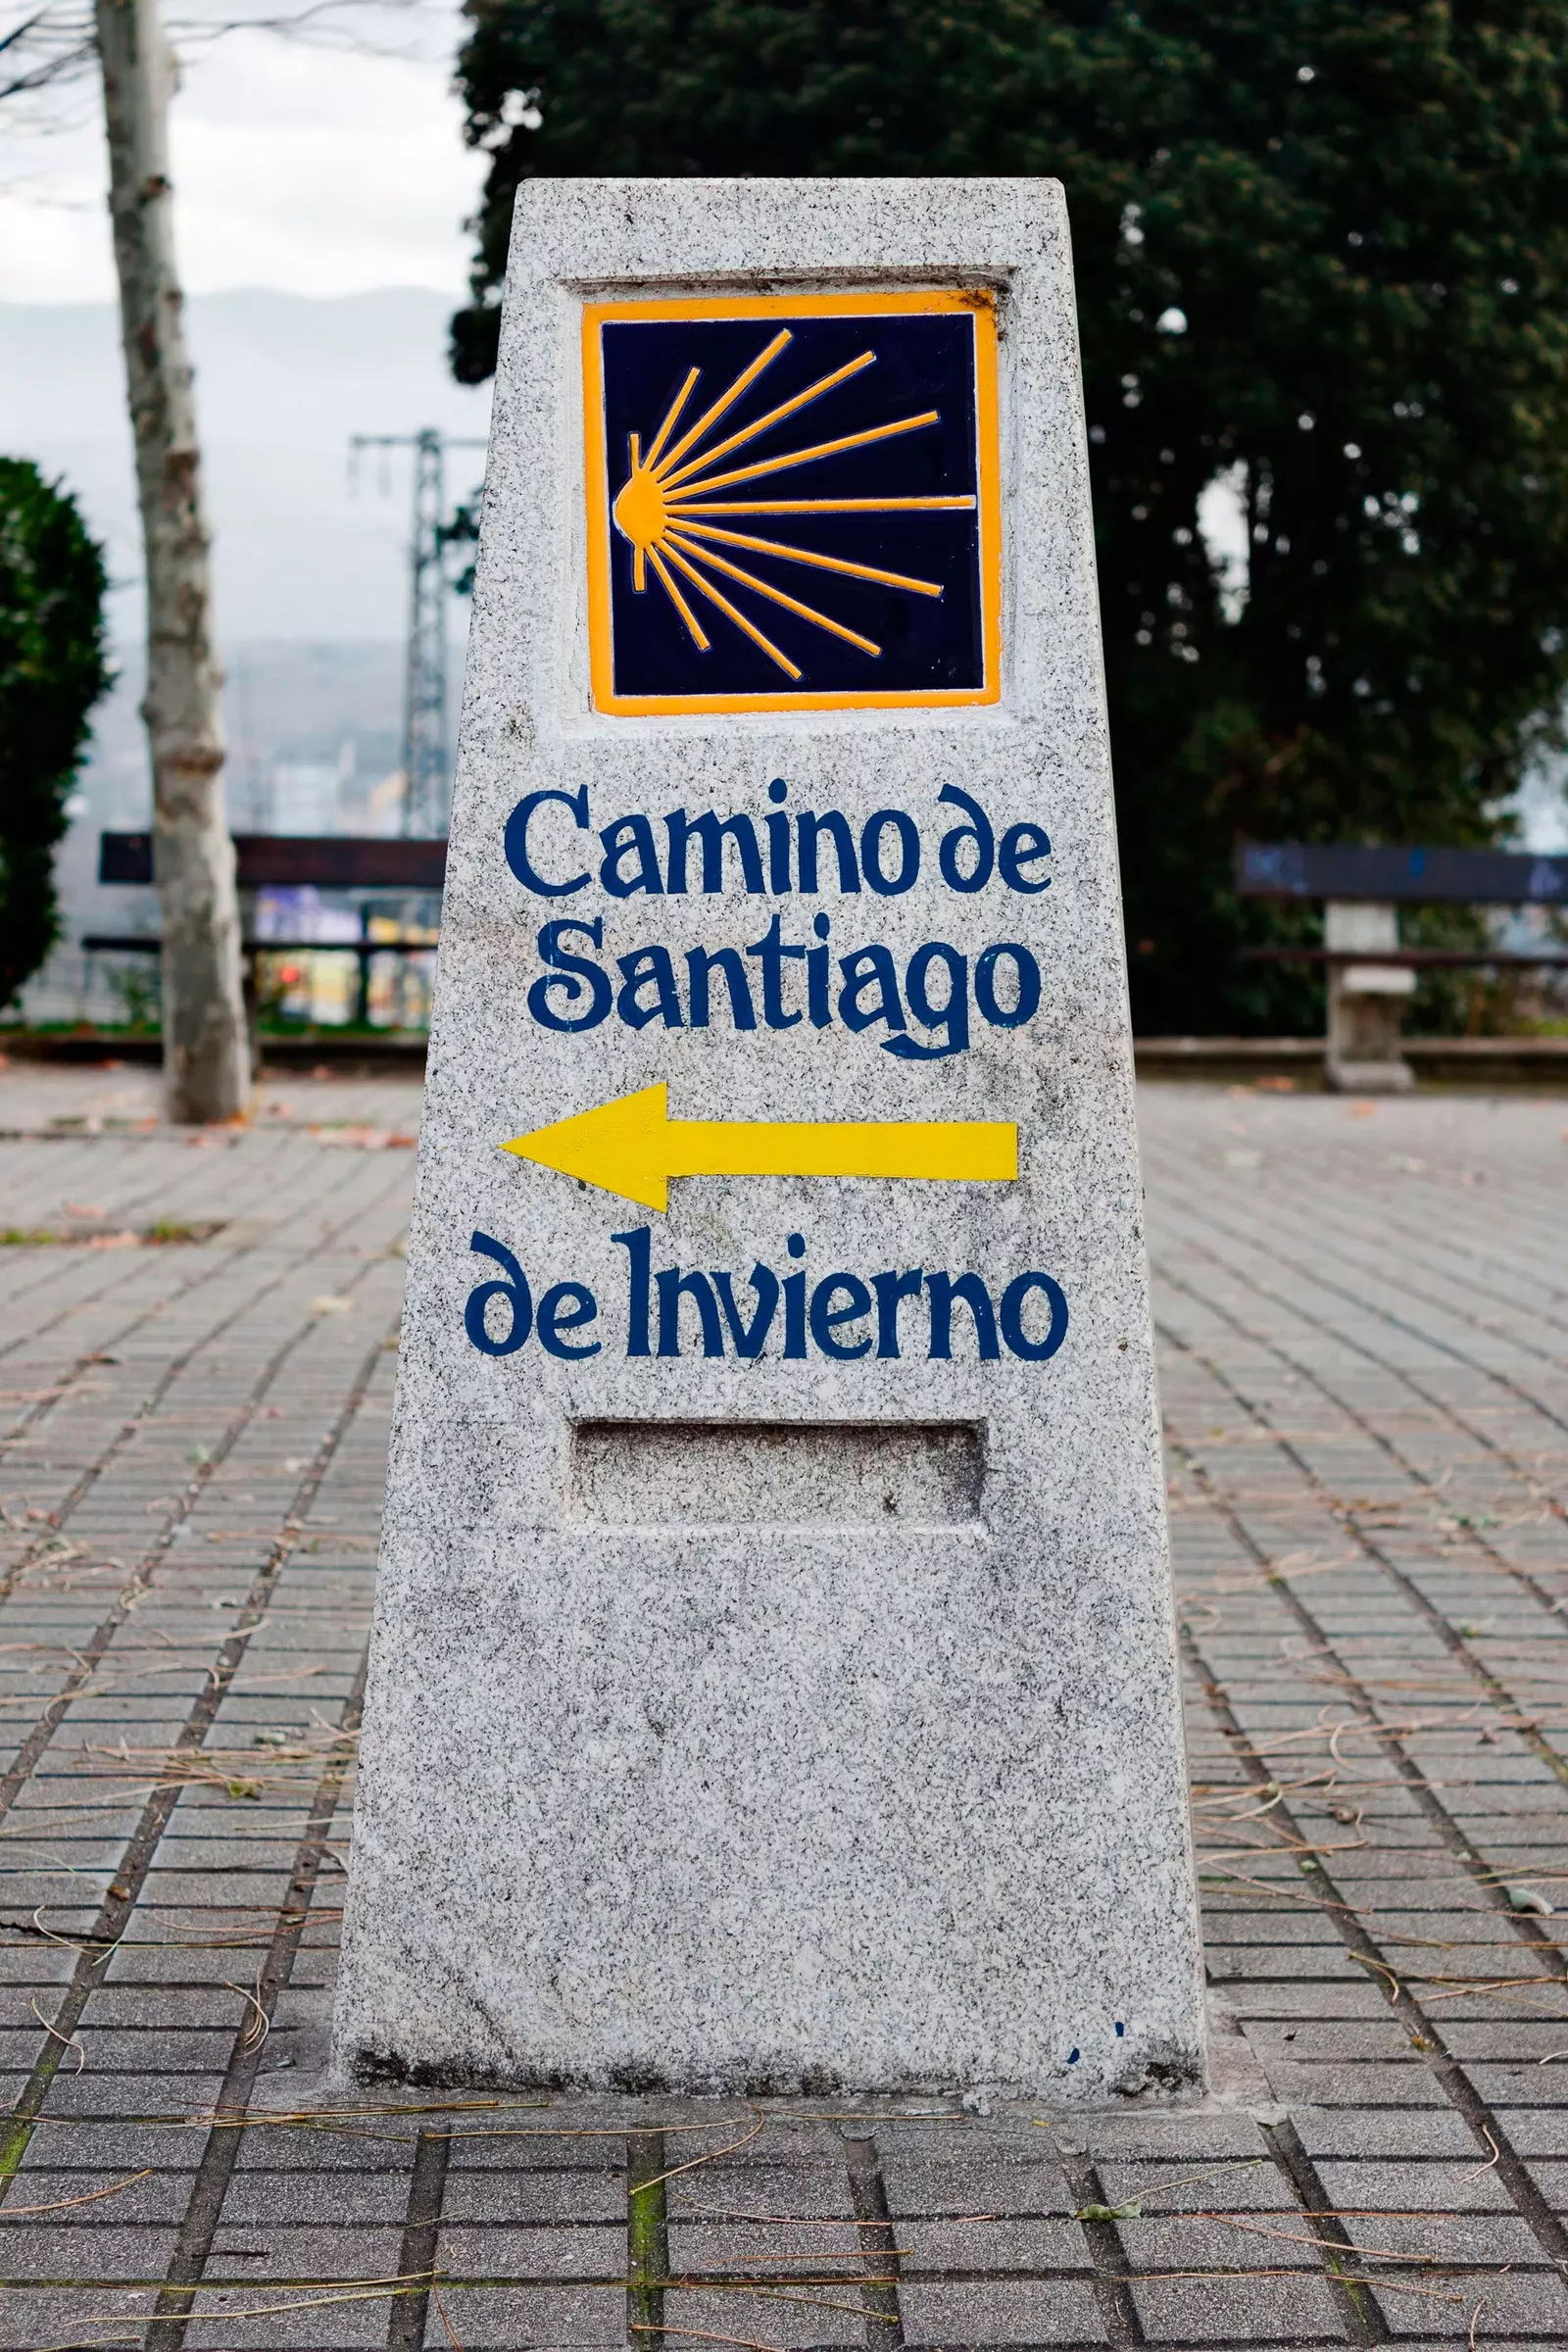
x=52, y=671
x=1321, y=249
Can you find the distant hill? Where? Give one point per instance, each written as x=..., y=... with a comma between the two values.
x=281, y=382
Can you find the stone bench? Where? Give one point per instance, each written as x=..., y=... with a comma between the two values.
x=1370, y=975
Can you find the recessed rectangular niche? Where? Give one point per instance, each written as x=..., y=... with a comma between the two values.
x=776, y=1473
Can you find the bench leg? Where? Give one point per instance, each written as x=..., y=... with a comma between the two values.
x=248, y=994
x=1365, y=1002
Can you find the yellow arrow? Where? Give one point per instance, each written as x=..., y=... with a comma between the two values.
x=633, y=1146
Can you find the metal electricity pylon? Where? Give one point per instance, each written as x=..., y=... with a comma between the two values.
x=426, y=783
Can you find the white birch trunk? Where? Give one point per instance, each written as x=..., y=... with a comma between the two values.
x=206, y=1049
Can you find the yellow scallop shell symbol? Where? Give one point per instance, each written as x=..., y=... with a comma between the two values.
x=666, y=505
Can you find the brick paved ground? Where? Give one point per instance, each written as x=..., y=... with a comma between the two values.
x=1364, y=1326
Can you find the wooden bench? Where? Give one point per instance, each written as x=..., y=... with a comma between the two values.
x=1370, y=975
x=289, y=862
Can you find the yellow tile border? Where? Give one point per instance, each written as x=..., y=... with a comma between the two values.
x=980, y=302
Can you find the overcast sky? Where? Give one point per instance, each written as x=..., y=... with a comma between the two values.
x=313, y=170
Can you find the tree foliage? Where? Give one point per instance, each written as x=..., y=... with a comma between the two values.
x=1320, y=252
x=52, y=671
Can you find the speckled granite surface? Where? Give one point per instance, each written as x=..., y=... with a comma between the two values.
x=678, y=1779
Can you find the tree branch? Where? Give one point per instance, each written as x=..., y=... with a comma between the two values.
x=58, y=44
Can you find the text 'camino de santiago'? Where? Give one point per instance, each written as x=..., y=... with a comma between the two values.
x=926, y=1009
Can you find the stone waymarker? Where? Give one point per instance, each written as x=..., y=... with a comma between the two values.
x=773, y=1680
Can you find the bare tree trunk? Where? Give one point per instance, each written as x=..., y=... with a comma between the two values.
x=206, y=1050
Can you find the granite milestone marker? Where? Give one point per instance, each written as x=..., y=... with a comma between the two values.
x=773, y=1677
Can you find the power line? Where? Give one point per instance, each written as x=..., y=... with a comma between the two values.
x=426, y=783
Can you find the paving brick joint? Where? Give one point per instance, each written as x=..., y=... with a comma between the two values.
x=1362, y=1316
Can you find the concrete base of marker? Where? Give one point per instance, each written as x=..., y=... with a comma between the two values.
x=784, y=1815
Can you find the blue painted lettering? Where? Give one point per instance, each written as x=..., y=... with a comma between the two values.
x=516, y=842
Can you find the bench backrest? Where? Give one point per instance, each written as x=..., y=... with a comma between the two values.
x=285, y=860
x=1459, y=877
